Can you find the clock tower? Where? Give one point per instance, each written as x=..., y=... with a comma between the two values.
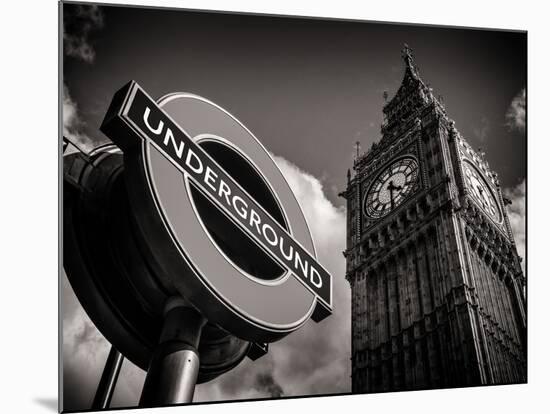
x=437, y=286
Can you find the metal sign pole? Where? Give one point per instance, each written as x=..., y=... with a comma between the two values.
x=107, y=383
x=174, y=367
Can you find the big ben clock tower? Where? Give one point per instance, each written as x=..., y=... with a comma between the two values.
x=437, y=286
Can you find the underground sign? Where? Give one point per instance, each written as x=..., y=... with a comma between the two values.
x=223, y=224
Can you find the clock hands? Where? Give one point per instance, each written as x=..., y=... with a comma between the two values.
x=480, y=190
x=391, y=188
x=483, y=196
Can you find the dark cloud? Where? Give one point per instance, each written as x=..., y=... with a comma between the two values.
x=79, y=22
x=515, y=116
x=265, y=383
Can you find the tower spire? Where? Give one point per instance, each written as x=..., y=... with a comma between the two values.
x=407, y=55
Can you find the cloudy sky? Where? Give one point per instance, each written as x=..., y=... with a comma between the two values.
x=308, y=89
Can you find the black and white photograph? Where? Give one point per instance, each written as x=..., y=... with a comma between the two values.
x=259, y=207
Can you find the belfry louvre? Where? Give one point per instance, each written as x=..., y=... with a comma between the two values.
x=437, y=287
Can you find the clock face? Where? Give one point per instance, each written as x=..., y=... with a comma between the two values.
x=392, y=186
x=481, y=192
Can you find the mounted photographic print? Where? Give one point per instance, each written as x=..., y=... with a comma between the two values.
x=259, y=207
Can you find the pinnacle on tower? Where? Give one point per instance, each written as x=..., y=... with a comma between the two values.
x=407, y=55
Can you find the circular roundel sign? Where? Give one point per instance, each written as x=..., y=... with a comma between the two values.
x=216, y=217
